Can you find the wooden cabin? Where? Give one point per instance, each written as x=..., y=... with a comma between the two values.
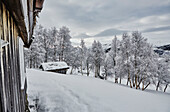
x=58, y=67
x=17, y=21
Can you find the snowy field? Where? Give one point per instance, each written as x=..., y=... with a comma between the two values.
x=72, y=93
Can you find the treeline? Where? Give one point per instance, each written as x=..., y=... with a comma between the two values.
x=130, y=58
x=48, y=45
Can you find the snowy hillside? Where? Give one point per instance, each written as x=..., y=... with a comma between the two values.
x=71, y=93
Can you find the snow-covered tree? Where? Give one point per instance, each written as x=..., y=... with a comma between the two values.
x=163, y=73
x=107, y=66
x=125, y=54
x=97, y=57
x=53, y=34
x=113, y=55
x=48, y=45
x=142, y=61
x=88, y=61
x=138, y=50
x=83, y=53
x=167, y=79
x=74, y=58
x=64, y=43
x=35, y=54
x=148, y=67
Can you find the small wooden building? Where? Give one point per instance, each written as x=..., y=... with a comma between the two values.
x=58, y=67
x=17, y=21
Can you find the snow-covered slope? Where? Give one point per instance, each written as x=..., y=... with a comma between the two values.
x=71, y=93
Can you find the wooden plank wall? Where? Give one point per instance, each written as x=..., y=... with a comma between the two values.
x=11, y=96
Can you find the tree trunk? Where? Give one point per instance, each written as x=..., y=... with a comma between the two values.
x=81, y=68
x=87, y=67
x=31, y=62
x=157, y=86
x=120, y=80
x=116, y=80
x=71, y=70
x=142, y=85
x=45, y=57
x=99, y=70
x=130, y=83
x=165, y=87
x=133, y=81
x=136, y=82
x=96, y=72
x=128, y=79
x=87, y=71
x=127, y=82
x=59, y=57
x=146, y=86
x=106, y=76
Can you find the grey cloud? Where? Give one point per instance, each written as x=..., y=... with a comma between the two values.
x=92, y=16
x=164, y=28
x=99, y=15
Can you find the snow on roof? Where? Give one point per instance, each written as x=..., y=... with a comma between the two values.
x=54, y=65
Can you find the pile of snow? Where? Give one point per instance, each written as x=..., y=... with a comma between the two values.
x=54, y=65
x=72, y=93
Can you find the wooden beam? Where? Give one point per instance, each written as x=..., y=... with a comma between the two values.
x=16, y=11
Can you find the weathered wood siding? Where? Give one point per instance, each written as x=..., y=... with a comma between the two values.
x=12, y=98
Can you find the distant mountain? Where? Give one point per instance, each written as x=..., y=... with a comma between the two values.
x=82, y=35
x=160, y=50
x=110, y=32
x=105, y=33
x=165, y=47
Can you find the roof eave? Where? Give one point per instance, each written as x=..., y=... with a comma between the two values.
x=16, y=10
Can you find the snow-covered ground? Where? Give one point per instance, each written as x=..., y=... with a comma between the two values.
x=72, y=93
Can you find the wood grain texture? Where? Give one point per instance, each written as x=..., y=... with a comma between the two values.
x=12, y=98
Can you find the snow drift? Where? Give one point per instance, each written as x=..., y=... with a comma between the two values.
x=71, y=93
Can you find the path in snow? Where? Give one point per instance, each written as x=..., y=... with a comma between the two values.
x=55, y=96
x=70, y=93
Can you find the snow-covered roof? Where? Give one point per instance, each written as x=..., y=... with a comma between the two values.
x=3, y=43
x=54, y=65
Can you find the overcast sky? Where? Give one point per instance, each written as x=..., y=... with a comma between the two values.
x=102, y=19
